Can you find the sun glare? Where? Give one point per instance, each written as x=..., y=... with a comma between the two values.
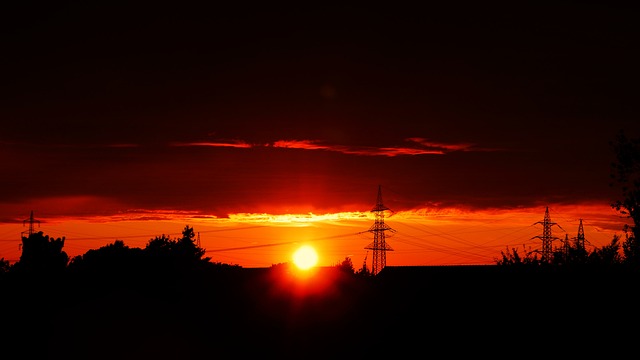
x=305, y=257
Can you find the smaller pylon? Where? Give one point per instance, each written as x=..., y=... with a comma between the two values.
x=31, y=222
x=28, y=233
x=580, y=237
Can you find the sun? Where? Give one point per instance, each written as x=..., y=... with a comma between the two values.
x=305, y=257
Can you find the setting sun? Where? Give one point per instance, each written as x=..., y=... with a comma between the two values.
x=305, y=257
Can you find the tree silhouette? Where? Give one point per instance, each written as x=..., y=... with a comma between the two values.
x=346, y=266
x=182, y=253
x=576, y=254
x=569, y=255
x=42, y=255
x=5, y=265
x=607, y=254
x=186, y=247
x=625, y=173
x=511, y=257
x=114, y=260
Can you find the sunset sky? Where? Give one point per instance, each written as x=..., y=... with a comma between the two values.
x=266, y=127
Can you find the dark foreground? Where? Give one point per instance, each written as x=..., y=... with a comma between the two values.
x=404, y=312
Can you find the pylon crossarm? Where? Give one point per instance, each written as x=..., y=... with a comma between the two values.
x=380, y=227
x=374, y=246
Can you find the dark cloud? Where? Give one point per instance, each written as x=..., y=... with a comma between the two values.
x=521, y=101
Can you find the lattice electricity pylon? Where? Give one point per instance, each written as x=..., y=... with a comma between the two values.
x=580, y=238
x=31, y=221
x=546, y=237
x=27, y=234
x=379, y=244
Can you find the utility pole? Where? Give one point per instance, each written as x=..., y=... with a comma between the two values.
x=379, y=244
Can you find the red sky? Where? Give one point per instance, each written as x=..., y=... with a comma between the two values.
x=170, y=114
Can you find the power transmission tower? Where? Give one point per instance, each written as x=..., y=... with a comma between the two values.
x=31, y=221
x=580, y=238
x=379, y=244
x=31, y=230
x=546, y=237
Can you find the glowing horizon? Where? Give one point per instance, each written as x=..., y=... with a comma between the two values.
x=427, y=236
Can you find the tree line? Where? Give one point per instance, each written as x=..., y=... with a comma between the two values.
x=44, y=255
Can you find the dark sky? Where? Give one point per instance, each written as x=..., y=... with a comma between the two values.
x=283, y=107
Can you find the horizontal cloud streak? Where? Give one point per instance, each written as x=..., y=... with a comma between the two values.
x=231, y=144
x=354, y=150
x=424, y=147
x=447, y=147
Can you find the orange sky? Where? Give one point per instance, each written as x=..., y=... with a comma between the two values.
x=422, y=237
x=127, y=122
